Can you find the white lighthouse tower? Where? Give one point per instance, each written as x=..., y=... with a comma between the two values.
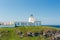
x=31, y=19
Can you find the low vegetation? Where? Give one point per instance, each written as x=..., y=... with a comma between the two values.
x=12, y=33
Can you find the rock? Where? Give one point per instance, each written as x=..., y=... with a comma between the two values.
x=30, y=34
x=36, y=34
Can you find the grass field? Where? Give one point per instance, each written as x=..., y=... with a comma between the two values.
x=12, y=34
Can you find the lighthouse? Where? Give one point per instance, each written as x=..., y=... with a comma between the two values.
x=31, y=22
x=32, y=19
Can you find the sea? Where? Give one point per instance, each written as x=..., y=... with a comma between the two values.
x=8, y=26
x=56, y=26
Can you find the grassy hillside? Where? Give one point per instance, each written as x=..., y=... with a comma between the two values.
x=11, y=33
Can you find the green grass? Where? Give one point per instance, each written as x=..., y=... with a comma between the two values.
x=12, y=35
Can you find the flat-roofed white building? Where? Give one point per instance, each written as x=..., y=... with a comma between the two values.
x=7, y=24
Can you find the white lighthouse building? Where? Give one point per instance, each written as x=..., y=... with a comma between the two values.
x=31, y=22
x=32, y=19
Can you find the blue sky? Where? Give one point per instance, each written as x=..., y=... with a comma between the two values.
x=48, y=11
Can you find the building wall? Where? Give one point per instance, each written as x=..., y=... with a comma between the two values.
x=37, y=23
